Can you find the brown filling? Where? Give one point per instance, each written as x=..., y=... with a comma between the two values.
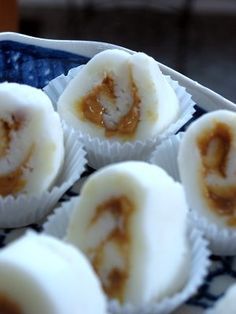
x=121, y=208
x=8, y=306
x=13, y=183
x=90, y=108
x=5, y=138
x=5, y=131
x=214, y=146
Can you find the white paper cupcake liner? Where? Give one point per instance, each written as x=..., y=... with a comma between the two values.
x=102, y=152
x=222, y=240
x=24, y=210
x=165, y=155
x=57, y=223
x=56, y=86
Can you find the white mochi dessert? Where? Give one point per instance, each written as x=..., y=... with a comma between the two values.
x=31, y=140
x=40, y=274
x=119, y=96
x=226, y=304
x=207, y=165
x=130, y=221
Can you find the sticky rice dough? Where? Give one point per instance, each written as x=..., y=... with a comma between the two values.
x=130, y=221
x=121, y=96
x=207, y=164
x=40, y=274
x=31, y=140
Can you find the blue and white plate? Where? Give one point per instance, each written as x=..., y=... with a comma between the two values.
x=36, y=61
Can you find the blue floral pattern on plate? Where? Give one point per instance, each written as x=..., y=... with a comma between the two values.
x=33, y=65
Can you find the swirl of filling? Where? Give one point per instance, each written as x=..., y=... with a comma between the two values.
x=6, y=129
x=93, y=108
x=214, y=145
x=118, y=240
x=14, y=181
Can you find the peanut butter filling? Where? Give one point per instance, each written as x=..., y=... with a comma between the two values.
x=5, y=138
x=6, y=128
x=121, y=208
x=214, y=146
x=8, y=306
x=14, y=182
x=90, y=108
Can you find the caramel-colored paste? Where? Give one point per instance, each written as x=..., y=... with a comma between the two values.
x=12, y=183
x=121, y=208
x=6, y=128
x=8, y=306
x=214, y=146
x=5, y=138
x=91, y=109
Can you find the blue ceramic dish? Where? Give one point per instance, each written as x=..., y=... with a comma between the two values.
x=35, y=62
